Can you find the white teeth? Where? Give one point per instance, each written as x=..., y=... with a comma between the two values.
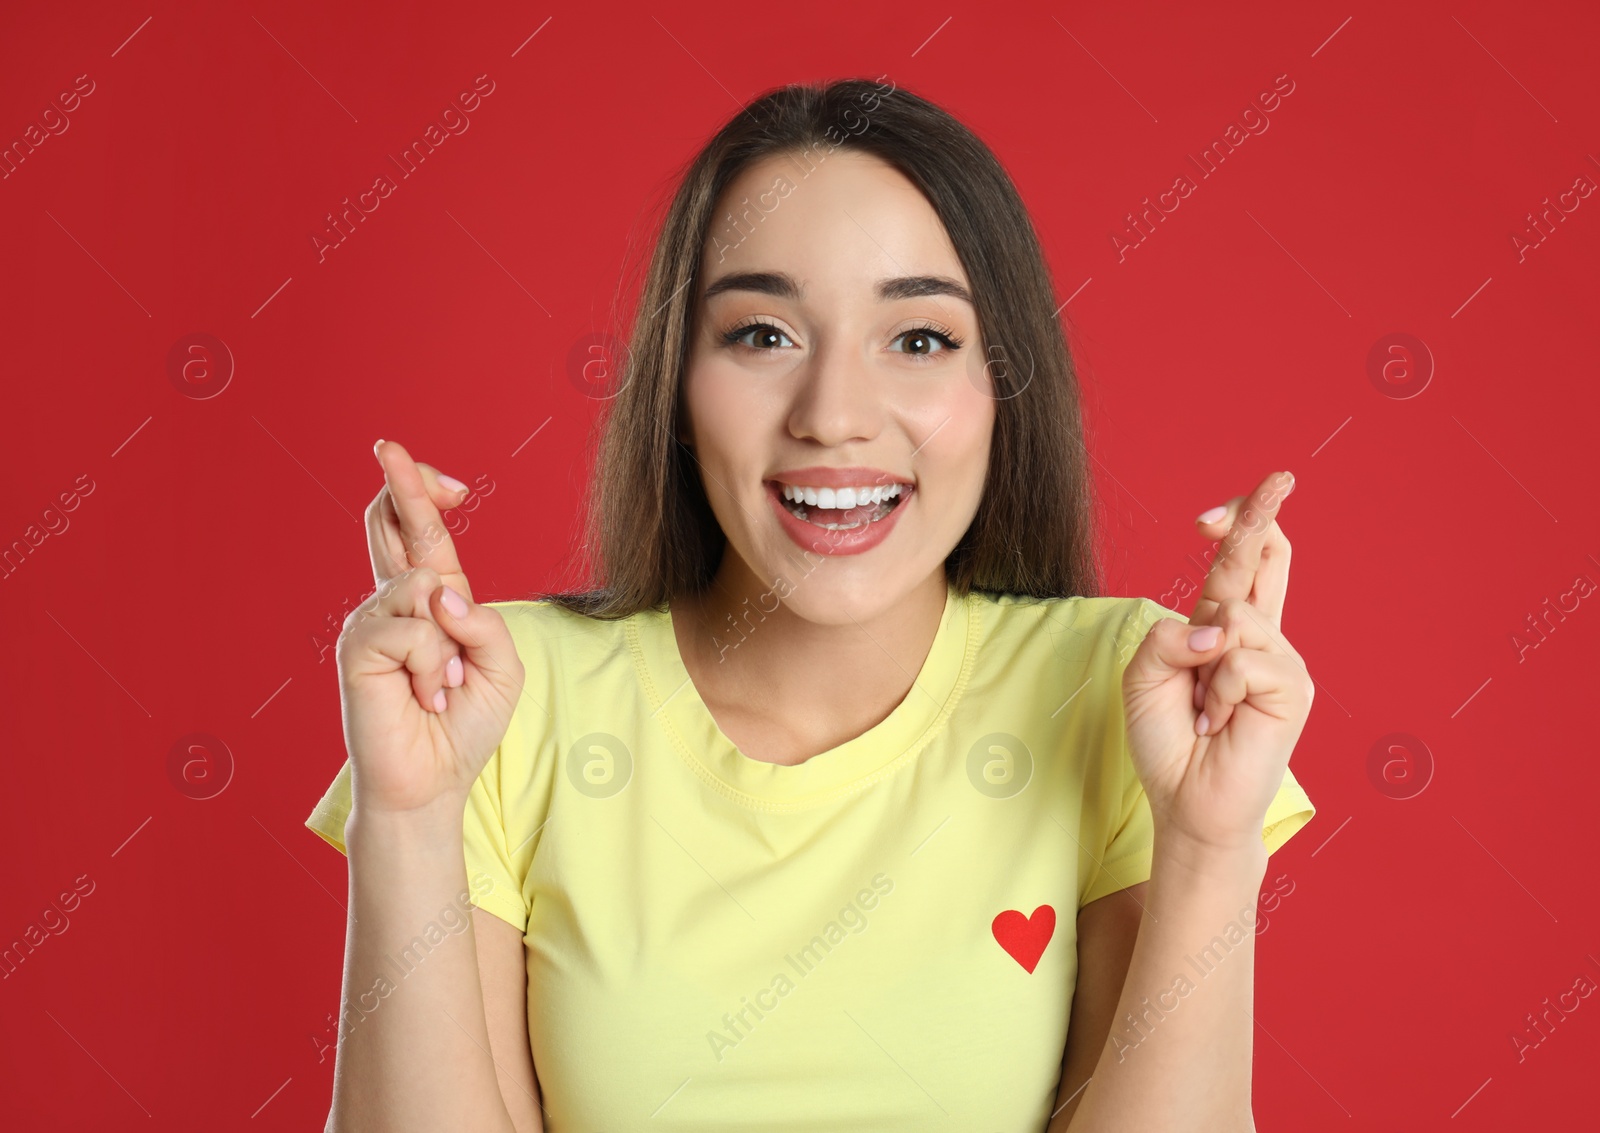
x=840, y=498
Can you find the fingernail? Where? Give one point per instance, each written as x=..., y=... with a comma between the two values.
x=1292, y=483
x=439, y=701
x=452, y=672
x=1204, y=638
x=452, y=483
x=1202, y=724
x=457, y=605
x=375, y=445
x=1213, y=515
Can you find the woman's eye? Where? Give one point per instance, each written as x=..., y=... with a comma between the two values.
x=921, y=341
x=765, y=336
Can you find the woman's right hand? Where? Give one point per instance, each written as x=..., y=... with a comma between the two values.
x=427, y=691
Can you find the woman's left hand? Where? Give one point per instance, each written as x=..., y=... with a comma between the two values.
x=1210, y=730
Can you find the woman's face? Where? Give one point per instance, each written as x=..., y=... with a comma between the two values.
x=825, y=356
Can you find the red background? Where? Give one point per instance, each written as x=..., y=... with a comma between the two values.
x=222, y=534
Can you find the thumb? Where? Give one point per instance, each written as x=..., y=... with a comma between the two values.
x=1170, y=646
x=484, y=638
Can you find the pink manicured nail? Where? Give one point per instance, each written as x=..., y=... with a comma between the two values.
x=1204, y=638
x=452, y=672
x=439, y=701
x=451, y=483
x=1213, y=515
x=1202, y=724
x=455, y=604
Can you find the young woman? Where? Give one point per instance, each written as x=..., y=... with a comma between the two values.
x=847, y=803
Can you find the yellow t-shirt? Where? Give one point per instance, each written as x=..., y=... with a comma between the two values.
x=882, y=937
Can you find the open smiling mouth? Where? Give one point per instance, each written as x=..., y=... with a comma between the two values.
x=839, y=510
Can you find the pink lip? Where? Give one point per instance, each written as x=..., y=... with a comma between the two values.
x=821, y=541
x=820, y=476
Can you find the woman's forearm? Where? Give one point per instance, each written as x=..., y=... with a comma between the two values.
x=1178, y=1055
x=413, y=1044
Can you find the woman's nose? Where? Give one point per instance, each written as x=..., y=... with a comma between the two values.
x=837, y=399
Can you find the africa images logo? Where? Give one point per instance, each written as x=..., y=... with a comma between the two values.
x=803, y=962
x=453, y=121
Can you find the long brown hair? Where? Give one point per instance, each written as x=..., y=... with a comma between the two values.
x=650, y=529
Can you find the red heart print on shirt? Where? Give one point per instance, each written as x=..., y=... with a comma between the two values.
x=1024, y=938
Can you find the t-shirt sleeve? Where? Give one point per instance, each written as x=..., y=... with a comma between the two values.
x=1129, y=853
x=497, y=864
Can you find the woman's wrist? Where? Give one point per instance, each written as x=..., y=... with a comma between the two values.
x=438, y=824
x=1203, y=861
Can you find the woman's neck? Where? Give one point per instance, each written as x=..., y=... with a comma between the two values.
x=784, y=688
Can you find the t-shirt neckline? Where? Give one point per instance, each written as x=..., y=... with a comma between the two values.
x=676, y=706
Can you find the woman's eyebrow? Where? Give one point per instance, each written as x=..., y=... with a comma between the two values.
x=783, y=285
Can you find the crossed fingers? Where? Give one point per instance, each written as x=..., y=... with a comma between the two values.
x=1252, y=561
x=1251, y=566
